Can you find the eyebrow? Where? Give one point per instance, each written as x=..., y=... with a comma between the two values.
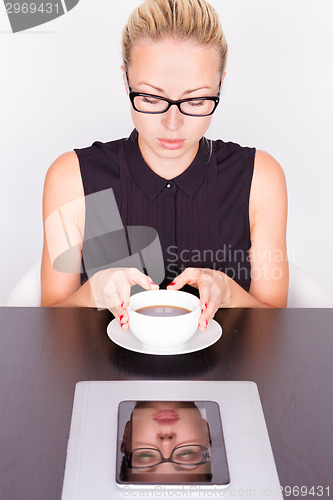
x=163, y=92
x=184, y=443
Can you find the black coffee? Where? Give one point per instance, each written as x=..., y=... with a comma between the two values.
x=163, y=311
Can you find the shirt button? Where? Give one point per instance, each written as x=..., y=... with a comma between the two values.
x=168, y=185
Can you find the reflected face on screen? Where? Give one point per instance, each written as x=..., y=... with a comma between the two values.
x=167, y=442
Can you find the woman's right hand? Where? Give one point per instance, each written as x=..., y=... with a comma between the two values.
x=111, y=289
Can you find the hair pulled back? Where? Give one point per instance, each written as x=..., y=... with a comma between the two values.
x=155, y=20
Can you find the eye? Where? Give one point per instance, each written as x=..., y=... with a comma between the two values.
x=189, y=455
x=196, y=104
x=186, y=453
x=148, y=100
x=144, y=455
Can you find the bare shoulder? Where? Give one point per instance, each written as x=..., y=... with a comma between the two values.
x=64, y=175
x=63, y=182
x=267, y=169
x=268, y=187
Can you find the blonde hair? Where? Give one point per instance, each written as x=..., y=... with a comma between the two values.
x=194, y=20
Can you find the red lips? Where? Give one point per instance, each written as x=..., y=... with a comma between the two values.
x=171, y=143
x=166, y=417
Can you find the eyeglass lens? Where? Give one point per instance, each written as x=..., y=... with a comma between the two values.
x=185, y=455
x=155, y=105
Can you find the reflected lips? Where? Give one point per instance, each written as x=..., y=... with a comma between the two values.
x=171, y=143
x=166, y=417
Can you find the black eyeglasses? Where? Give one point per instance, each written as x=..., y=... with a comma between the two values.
x=188, y=457
x=154, y=104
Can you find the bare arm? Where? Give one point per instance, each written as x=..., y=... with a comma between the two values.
x=63, y=223
x=268, y=221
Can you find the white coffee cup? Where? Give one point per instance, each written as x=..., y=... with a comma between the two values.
x=168, y=331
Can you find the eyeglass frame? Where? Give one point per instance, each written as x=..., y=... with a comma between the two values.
x=133, y=95
x=205, y=452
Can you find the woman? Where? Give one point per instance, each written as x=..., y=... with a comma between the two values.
x=220, y=209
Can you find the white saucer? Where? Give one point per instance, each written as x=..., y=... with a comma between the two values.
x=200, y=340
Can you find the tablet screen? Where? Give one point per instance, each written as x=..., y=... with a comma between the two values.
x=163, y=442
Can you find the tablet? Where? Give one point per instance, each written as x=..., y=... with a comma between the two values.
x=159, y=438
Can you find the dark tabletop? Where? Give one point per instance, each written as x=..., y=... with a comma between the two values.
x=44, y=352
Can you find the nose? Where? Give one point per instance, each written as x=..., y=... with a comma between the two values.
x=173, y=118
x=166, y=437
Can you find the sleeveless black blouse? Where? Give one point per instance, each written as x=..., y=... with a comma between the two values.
x=201, y=216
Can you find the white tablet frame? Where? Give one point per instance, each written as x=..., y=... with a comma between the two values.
x=91, y=458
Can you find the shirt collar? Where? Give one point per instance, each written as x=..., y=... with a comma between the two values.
x=152, y=184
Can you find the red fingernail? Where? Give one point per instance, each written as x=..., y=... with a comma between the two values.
x=122, y=324
x=172, y=284
x=121, y=317
x=207, y=322
x=122, y=304
x=206, y=305
x=152, y=283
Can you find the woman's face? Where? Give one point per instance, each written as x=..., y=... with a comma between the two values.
x=176, y=70
x=165, y=426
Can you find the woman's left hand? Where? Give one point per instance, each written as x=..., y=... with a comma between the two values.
x=212, y=286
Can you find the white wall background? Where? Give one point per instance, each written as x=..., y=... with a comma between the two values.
x=61, y=88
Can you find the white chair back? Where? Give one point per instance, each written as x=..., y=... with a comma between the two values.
x=27, y=292
x=304, y=290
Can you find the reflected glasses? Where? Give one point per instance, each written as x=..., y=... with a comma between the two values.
x=188, y=457
x=154, y=105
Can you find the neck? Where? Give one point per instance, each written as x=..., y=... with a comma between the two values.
x=167, y=168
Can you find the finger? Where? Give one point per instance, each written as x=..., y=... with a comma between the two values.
x=137, y=277
x=190, y=276
x=203, y=321
x=124, y=295
x=121, y=316
x=209, y=313
x=204, y=292
x=119, y=308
